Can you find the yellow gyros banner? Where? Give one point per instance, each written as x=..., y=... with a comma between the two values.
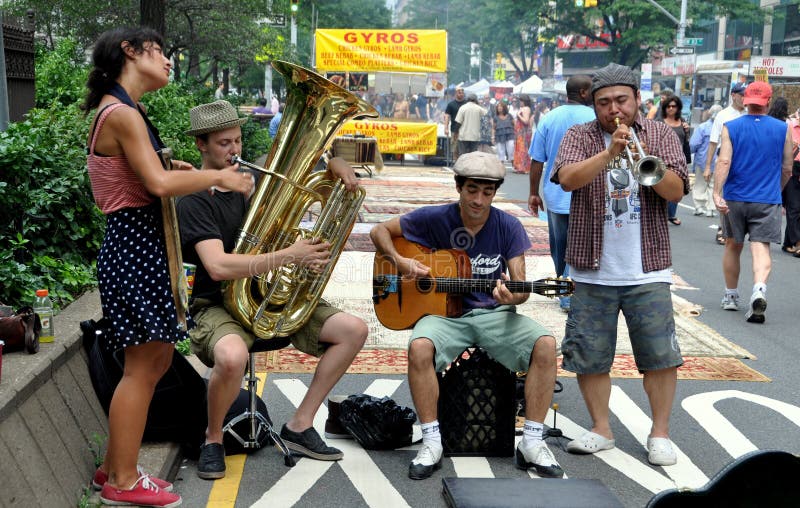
x=381, y=50
x=395, y=137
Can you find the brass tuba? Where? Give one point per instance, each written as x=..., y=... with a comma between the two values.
x=278, y=302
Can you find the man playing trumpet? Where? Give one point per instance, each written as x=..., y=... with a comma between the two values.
x=619, y=255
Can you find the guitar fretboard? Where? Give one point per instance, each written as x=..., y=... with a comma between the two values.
x=456, y=285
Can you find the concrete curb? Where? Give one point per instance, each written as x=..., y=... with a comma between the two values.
x=50, y=420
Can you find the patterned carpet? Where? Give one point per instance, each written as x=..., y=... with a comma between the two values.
x=398, y=190
x=394, y=361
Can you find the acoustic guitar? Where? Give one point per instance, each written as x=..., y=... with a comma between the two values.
x=401, y=302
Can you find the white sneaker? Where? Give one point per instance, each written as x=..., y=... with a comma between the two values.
x=660, y=452
x=710, y=213
x=539, y=458
x=730, y=302
x=758, y=305
x=428, y=460
x=699, y=211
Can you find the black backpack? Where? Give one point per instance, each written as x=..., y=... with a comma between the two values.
x=178, y=411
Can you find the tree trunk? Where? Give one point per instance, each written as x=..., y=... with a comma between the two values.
x=153, y=14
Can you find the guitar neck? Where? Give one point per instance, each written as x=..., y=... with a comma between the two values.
x=455, y=285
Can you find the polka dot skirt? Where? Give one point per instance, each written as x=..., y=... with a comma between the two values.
x=134, y=280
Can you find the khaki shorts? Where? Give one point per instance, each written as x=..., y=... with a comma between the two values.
x=507, y=336
x=212, y=322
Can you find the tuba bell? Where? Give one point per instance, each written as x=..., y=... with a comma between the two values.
x=278, y=302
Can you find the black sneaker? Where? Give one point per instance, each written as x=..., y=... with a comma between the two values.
x=211, y=464
x=309, y=443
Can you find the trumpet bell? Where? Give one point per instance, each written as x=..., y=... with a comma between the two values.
x=649, y=170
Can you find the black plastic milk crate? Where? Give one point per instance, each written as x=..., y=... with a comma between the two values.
x=477, y=406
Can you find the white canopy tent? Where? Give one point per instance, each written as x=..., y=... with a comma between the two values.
x=503, y=84
x=531, y=85
x=481, y=88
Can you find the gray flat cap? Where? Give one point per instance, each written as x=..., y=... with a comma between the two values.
x=614, y=75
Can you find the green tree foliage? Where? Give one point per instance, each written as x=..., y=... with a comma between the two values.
x=515, y=28
x=500, y=26
x=60, y=74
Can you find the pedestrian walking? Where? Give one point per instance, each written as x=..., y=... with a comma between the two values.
x=753, y=166
x=703, y=184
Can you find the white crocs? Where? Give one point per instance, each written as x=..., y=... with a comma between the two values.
x=660, y=452
x=590, y=442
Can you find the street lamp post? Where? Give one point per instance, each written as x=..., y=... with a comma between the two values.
x=680, y=38
x=293, y=26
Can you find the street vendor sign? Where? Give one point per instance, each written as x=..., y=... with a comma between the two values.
x=381, y=50
x=395, y=137
x=775, y=67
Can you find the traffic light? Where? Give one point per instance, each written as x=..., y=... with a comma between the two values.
x=590, y=3
x=294, y=5
x=578, y=3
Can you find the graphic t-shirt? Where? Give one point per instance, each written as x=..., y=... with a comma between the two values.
x=621, y=232
x=500, y=239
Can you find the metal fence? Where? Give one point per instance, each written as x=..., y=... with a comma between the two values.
x=17, y=71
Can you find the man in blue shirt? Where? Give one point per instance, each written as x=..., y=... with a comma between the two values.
x=543, y=151
x=276, y=120
x=753, y=166
x=495, y=243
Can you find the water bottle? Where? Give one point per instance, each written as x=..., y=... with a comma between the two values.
x=43, y=306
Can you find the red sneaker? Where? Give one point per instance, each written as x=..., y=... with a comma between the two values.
x=143, y=493
x=101, y=477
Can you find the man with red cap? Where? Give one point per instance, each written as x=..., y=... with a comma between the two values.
x=754, y=164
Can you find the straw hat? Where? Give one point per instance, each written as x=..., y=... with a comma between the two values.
x=216, y=116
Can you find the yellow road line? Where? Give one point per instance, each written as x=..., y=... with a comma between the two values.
x=223, y=493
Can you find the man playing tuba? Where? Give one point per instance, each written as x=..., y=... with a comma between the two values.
x=208, y=225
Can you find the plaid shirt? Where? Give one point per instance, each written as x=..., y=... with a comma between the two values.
x=585, y=234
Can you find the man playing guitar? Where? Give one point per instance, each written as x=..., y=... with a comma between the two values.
x=496, y=243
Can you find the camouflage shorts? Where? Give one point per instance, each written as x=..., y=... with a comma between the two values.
x=590, y=339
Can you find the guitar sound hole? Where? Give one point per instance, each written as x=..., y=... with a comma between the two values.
x=424, y=285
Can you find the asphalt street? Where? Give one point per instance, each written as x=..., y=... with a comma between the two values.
x=713, y=421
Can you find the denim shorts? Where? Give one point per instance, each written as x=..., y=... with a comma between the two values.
x=507, y=336
x=212, y=322
x=760, y=221
x=590, y=339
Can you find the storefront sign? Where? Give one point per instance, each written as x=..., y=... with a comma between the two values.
x=678, y=66
x=395, y=137
x=381, y=50
x=776, y=66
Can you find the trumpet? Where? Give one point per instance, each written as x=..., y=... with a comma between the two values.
x=648, y=170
